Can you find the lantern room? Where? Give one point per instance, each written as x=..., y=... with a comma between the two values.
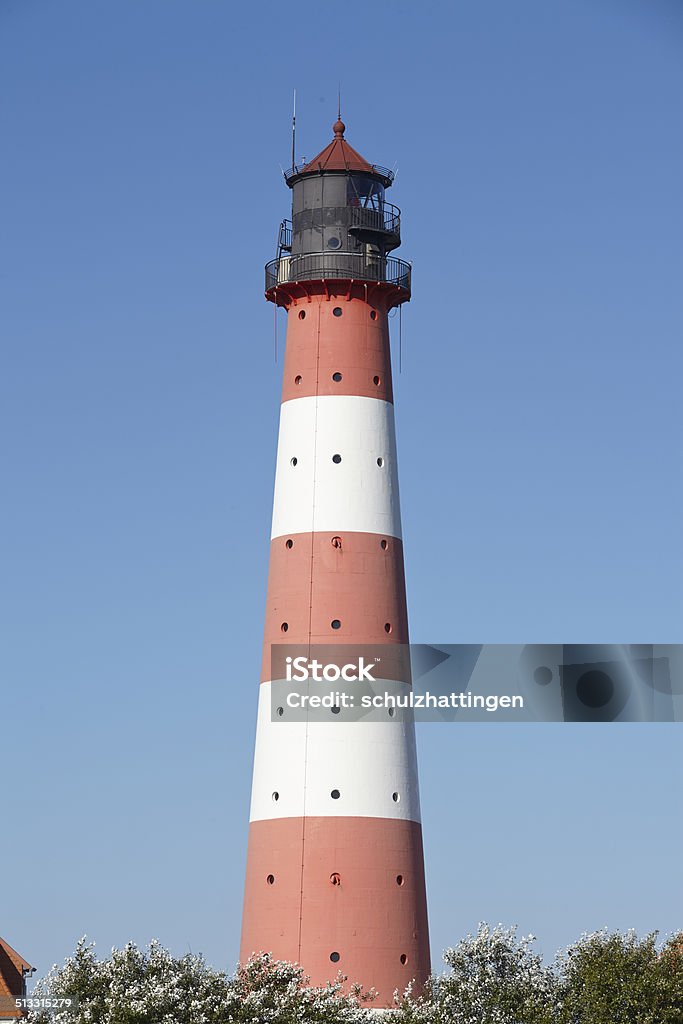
x=342, y=227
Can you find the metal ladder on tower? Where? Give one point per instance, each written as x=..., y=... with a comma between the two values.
x=284, y=251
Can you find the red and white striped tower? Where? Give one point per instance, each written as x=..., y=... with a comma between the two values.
x=335, y=872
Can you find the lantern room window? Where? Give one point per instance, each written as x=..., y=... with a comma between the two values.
x=364, y=191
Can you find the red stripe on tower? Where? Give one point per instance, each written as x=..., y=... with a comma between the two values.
x=335, y=873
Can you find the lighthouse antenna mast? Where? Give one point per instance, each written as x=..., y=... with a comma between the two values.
x=293, y=128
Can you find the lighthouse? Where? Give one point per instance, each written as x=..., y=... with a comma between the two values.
x=335, y=870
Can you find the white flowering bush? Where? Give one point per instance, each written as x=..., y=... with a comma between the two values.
x=272, y=990
x=130, y=987
x=134, y=986
x=493, y=978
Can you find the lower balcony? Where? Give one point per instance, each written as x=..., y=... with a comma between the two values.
x=338, y=266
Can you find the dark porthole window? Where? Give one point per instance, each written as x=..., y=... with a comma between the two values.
x=383, y=544
x=336, y=377
x=270, y=879
x=284, y=627
x=399, y=879
x=404, y=959
x=336, y=459
x=395, y=797
x=289, y=544
x=281, y=712
x=333, y=242
x=376, y=381
x=302, y=314
x=297, y=379
x=387, y=627
x=337, y=311
x=380, y=461
x=276, y=797
x=336, y=624
x=335, y=957
x=335, y=794
x=335, y=709
x=293, y=461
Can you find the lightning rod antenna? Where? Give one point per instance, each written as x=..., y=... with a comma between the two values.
x=293, y=128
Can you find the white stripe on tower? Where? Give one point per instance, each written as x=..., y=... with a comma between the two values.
x=336, y=467
x=371, y=765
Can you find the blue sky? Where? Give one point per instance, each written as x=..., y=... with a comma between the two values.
x=540, y=160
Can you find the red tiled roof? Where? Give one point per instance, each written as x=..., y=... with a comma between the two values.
x=12, y=970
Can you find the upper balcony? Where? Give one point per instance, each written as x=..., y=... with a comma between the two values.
x=384, y=173
x=364, y=222
x=287, y=271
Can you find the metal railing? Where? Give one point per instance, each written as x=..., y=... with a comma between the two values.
x=387, y=219
x=338, y=266
x=381, y=172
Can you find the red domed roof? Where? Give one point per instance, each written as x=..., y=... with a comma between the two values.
x=339, y=156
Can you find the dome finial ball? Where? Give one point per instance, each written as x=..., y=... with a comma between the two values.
x=339, y=128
